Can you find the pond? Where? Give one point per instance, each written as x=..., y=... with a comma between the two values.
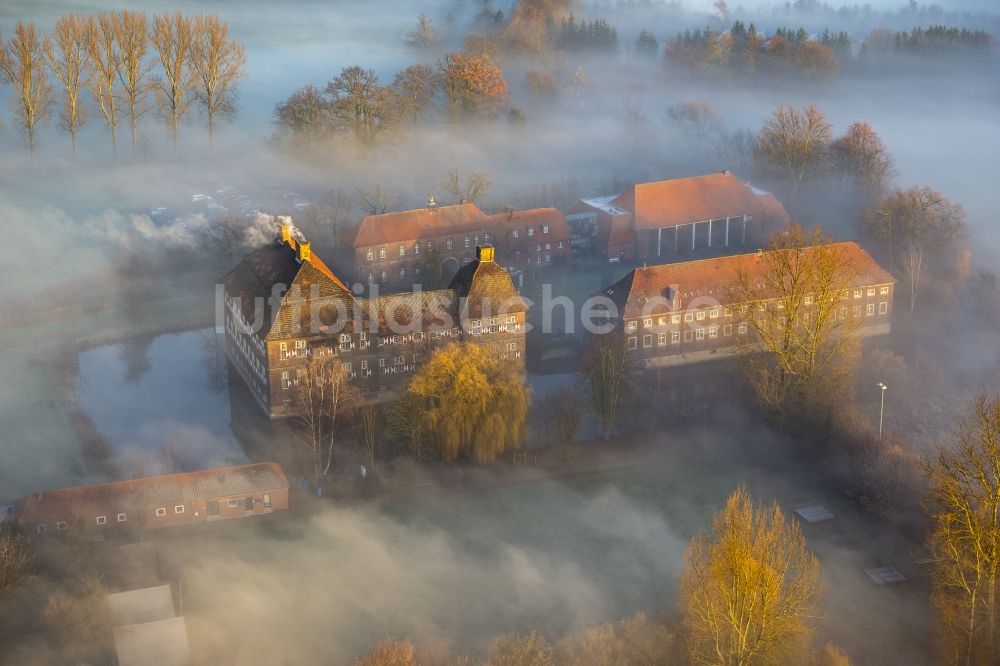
x=162, y=401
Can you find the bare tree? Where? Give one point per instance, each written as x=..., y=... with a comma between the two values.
x=15, y=561
x=749, y=587
x=359, y=102
x=562, y=413
x=424, y=35
x=377, y=201
x=407, y=427
x=413, y=90
x=370, y=419
x=915, y=225
x=172, y=38
x=801, y=347
x=66, y=53
x=304, y=117
x=219, y=63
x=964, y=540
x=22, y=62
x=321, y=395
x=471, y=189
x=860, y=158
x=604, y=365
x=792, y=145
x=102, y=56
x=132, y=65
x=696, y=119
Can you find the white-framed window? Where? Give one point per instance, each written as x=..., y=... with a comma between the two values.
x=402, y=250
x=416, y=248
x=857, y=311
x=545, y=228
x=449, y=244
x=631, y=342
x=883, y=290
x=300, y=345
x=883, y=307
x=282, y=350
x=233, y=503
x=871, y=291
x=548, y=258
x=661, y=339
x=486, y=237
x=370, y=254
x=727, y=312
x=675, y=319
x=688, y=316
x=843, y=312
x=382, y=276
x=701, y=315
x=727, y=329
x=714, y=314
x=286, y=382
x=515, y=233
x=178, y=508
x=647, y=340
x=364, y=364
x=809, y=300
x=161, y=512
x=531, y=231
x=870, y=310
x=857, y=293
x=700, y=334
x=41, y=528
x=122, y=517
x=548, y=246
x=742, y=329
x=538, y=259
x=647, y=322
x=631, y=325
x=381, y=362
x=560, y=244
x=512, y=319
x=381, y=253
x=468, y=241
x=713, y=331
x=60, y=525
x=102, y=520
x=511, y=347
x=688, y=336
x=662, y=321
x=675, y=337
x=346, y=366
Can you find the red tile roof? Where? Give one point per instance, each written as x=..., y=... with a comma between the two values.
x=710, y=278
x=536, y=217
x=685, y=200
x=415, y=224
x=86, y=502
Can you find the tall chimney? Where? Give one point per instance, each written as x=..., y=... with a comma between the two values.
x=484, y=252
x=286, y=229
x=305, y=251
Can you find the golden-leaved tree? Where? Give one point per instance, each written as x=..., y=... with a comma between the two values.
x=801, y=347
x=470, y=402
x=749, y=587
x=964, y=540
x=473, y=85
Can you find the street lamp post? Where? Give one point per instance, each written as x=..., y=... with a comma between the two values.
x=881, y=409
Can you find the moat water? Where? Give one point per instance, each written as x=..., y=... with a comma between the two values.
x=161, y=401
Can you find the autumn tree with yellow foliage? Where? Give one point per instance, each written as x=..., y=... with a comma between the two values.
x=749, y=587
x=474, y=86
x=470, y=403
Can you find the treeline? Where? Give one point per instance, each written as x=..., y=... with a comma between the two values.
x=597, y=35
x=125, y=64
x=356, y=103
x=744, y=49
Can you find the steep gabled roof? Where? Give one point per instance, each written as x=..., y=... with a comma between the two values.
x=485, y=288
x=686, y=200
x=276, y=264
x=710, y=279
x=415, y=224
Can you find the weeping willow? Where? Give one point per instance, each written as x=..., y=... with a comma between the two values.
x=470, y=402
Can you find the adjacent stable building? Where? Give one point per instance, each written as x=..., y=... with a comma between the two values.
x=284, y=306
x=679, y=314
x=105, y=509
x=394, y=250
x=673, y=219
